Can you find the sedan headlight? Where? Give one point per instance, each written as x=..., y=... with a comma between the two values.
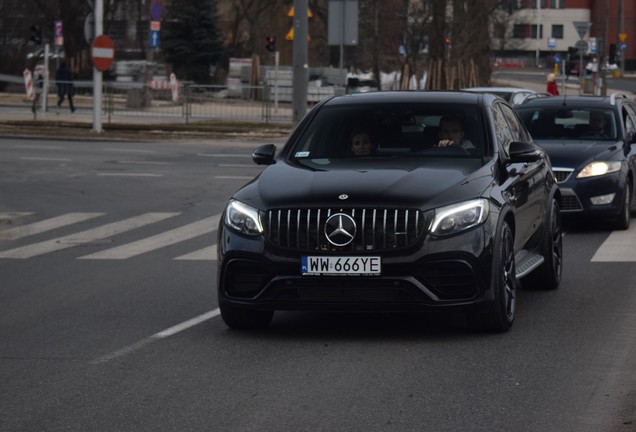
x=243, y=218
x=599, y=168
x=459, y=217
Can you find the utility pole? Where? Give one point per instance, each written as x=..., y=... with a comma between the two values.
x=299, y=82
x=97, y=74
x=538, y=29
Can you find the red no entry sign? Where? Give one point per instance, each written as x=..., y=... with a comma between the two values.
x=103, y=52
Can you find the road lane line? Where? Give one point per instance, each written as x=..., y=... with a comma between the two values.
x=158, y=336
x=87, y=236
x=45, y=159
x=618, y=247
x=167, y=238
x=129, y=175
x=205, y=254
x=46, y=225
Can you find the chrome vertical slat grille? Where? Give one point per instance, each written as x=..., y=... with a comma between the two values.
x=377, y=229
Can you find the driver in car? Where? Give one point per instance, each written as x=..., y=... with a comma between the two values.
x=451, y=132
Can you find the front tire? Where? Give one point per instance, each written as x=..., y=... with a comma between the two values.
x=245, y=319
x=499, y=315
x=624, y=217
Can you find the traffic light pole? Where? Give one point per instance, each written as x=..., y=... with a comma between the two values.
x=97, y=74
x=45, y=85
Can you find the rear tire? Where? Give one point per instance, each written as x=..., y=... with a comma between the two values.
x=499, y=315
x=245, y=319
x=548, y=275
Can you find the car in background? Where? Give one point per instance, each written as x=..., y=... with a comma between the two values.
x=595, y=170
x=411, y=226
x=512, y=95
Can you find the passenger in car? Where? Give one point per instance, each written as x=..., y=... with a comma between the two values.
x=361, y=143
x=451, y=132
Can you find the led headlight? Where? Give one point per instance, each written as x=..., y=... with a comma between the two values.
x=599, y=168
x=459, y=217
x=243, y=218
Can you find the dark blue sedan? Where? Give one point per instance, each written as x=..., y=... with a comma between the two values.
x=590, y=141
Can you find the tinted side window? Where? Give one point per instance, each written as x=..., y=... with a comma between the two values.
x=502, y=130
x=517, y=129
x=630, y=121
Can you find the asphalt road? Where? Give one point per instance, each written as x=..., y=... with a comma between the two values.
x=109, y=319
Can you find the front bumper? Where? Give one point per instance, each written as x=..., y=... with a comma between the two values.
x=435, y=273
x=577, y=195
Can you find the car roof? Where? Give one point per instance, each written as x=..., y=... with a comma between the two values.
x=499, y=89
x=409, y=96
x=571, y=101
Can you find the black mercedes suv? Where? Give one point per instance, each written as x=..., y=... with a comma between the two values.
x=393, y=201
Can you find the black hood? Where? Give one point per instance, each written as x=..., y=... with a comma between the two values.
x=282, y=184
x=574, y=154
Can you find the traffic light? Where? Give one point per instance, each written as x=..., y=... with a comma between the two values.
x=36, y=34
x=271, y=44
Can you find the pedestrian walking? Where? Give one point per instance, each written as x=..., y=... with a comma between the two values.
x=65, y=86
x=551, y=86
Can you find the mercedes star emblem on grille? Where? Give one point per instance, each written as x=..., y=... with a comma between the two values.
x=340, y=229
x=343, y=196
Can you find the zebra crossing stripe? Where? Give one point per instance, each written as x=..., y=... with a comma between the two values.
x=618, y=247
x=167, y=238
x=46, y=225
x=205, y=254
x=87, y=236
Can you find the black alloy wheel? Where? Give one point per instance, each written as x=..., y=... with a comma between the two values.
x=499, y=315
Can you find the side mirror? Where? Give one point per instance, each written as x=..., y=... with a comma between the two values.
x=264, y=155
x=525, y=152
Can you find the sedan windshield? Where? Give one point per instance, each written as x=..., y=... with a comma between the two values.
x=570, y=124
x=379, y=132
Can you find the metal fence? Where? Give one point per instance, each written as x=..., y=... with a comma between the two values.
x=126, y=100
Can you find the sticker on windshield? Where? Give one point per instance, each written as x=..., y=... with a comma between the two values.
x=302, y=154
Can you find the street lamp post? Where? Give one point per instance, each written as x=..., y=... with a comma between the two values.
x=538, y=29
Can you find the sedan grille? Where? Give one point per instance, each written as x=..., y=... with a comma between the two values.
x=376, y=229
x=562, y=174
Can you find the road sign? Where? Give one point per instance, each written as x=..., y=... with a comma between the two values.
x=581, y=45
x=156, y=10
x=551, y=43
x=155, y=25
x=103, y=52
x=622, y=36
x=557, y=58
x=623, y=46
x=582, y=27
x=154, y=38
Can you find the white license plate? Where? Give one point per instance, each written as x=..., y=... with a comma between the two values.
x=341, y=265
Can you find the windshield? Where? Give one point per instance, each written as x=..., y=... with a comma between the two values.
x=421, y=132
x=574, y=124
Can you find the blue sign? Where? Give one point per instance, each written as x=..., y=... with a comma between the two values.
x=155, y=10
x=154, y=38
x=557, y=58
x=623, y=46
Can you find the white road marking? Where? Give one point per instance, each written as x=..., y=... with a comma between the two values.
x=129, y=175
x=39, y=147
x=618, y=247
x=13, y=215
x=224, y=155
x=205, y=254
x=46, y=225
x=167, y=238
x=128, y=150
x=143, y=163
x=158, y=336
x=235, y=177
x=44, y=159
x=87, y=236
